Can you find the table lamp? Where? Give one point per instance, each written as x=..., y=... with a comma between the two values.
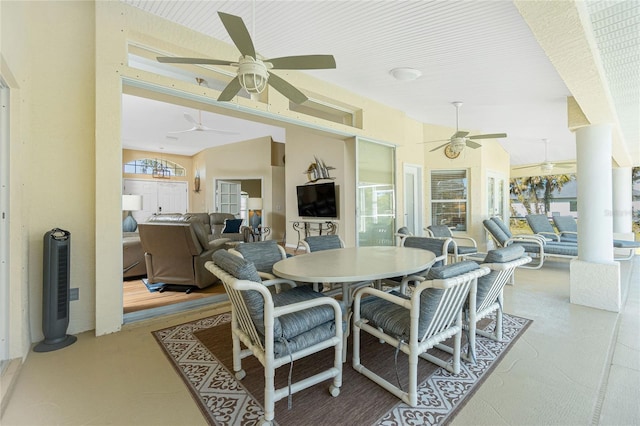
x=255, y=205
x=130, y=203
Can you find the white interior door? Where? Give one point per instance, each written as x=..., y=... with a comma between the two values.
x=172, y=197
x=227, y=197
x=413, y=204
x=157, y=197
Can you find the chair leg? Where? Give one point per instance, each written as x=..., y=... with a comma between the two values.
x=269, y=394
x=412, y=392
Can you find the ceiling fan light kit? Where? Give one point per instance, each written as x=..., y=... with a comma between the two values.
x=253, y=75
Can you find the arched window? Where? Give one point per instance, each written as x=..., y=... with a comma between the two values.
x=154, y=167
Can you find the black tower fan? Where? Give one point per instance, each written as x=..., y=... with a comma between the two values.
x=55, y=291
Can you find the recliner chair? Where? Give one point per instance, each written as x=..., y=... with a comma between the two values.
x=175, y=254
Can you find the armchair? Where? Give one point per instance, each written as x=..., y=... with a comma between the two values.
x=414, y=324
x=502, y=263
x=437, y=246
x=457, y=252
x=278, y=328
x=175, y=254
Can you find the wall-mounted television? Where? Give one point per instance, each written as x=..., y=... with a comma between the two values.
x=317, y=200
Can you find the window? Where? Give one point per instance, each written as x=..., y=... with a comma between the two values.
x=154, y=167
x=449, y=198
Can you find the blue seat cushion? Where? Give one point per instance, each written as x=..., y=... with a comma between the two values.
x=395, y=319
x=465, y=250
x=232, y=226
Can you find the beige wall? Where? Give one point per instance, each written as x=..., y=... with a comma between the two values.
x=69, y=63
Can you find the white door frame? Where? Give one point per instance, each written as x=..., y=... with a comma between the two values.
x=4, y=223
x=504, y=196
x=413, y=172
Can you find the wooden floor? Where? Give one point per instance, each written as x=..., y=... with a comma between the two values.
x=136, y=297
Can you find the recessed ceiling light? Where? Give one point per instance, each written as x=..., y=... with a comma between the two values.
x=405, y=74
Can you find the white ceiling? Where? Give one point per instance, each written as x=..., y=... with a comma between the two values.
x=479, y=52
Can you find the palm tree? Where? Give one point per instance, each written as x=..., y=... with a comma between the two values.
x=529, y=188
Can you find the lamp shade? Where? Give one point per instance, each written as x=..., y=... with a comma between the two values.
x=131, y=202
x=254, y=204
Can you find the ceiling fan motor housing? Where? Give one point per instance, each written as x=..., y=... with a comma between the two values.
x=252, y=74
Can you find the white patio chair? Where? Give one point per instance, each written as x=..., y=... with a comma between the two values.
x=278, y=328
x=415, y=324
x=457, y=251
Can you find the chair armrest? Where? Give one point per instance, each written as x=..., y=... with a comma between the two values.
x=508, y=265
x=277, y=281
x=467, y=239
x=307, y=304
x=381, y=295
x=529, y=237
x=568, y=233
x=550, y=235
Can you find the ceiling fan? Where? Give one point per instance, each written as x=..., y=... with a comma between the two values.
x=456, y=143
x=547, y=166
x=253, y=74
x=199, y=127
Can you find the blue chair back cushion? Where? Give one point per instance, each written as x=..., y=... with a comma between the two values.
x=440, y=231
x=323, y=242
x=496, y=231
x=263, y=254
x=232, y=226
x=432, y=244
x=503, y=226
x=501, y=255
x=539, y=223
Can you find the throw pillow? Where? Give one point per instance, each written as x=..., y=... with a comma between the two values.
x=232, y=226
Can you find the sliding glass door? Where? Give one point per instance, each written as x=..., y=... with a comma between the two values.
x=376, y=193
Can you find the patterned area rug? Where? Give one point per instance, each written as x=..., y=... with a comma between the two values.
x=200, y=351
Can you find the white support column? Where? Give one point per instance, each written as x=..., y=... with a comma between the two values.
x=622, y=201
x=595, y=277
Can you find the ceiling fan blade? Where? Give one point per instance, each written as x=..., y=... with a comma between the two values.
x=525, y=167
x=472, y=144
x=231, y=90
x=286, y=89
x=438, y=147
x=239, y=34
x=193, y=129
x=306, y=62
x=489, y=136
x=459, y=134
x=203, y=61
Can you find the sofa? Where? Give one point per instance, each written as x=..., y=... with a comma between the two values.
x=213, y=224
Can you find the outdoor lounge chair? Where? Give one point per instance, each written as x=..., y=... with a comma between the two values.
x=278, y=328
x=535, y=245
x=540, y=225
x=567, y=226
x=456, y=251
x=414, y=324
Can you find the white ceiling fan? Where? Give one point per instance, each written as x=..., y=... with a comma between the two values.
x=547, y=166
x=456, y=143
x=199, y=127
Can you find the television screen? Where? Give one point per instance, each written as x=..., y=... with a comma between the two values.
x=317, y=200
